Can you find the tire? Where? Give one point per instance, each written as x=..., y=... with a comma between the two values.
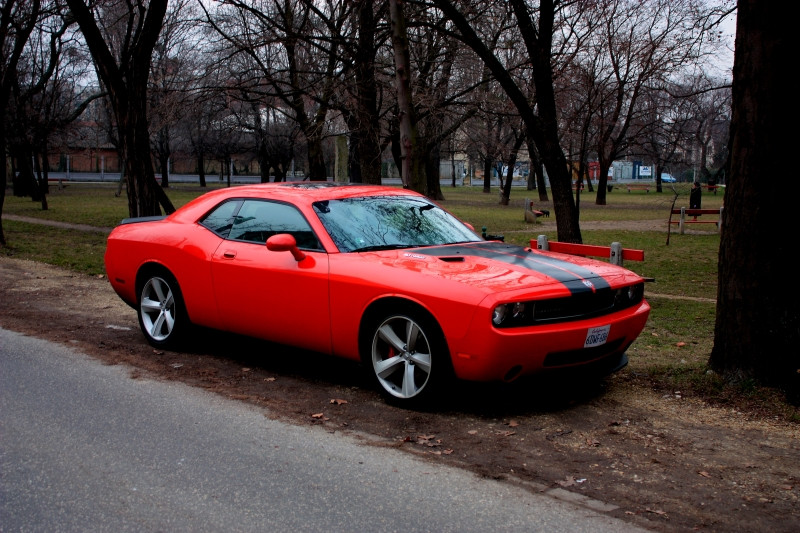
x=407, y=356
x=161, y=310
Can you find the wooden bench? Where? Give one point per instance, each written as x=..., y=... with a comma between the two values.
x=615, y=253
x=685, y=213
x=532, y=214
x=638, y=187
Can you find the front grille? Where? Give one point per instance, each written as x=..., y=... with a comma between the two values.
x=574, y=307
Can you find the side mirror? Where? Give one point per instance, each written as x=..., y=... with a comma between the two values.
x=284, y=242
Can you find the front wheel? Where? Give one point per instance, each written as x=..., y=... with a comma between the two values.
x=161, y=314
x=409, y=358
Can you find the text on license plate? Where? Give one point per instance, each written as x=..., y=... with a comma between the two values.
x=597, y=336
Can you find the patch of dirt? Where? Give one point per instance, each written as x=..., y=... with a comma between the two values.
x=667, y=462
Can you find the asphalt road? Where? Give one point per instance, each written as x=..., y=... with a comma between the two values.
x=86, y=447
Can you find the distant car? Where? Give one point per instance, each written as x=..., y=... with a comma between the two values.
x=377, y=274
x=667, y=178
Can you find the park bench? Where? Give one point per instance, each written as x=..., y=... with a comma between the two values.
x=531, y=214
x=615, y=253
x=686, y=214
x=638, y=187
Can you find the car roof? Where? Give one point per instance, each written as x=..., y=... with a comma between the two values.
x=298, y=193
x=315, y=190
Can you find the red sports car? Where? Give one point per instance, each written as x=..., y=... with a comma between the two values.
x=379, y=274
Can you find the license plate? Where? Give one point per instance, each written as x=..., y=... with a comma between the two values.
x=597, y=336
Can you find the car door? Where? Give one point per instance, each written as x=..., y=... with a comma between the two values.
x=269, y=294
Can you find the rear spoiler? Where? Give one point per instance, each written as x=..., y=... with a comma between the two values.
x=134, y=220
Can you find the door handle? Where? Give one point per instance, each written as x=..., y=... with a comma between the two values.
x=229, y=254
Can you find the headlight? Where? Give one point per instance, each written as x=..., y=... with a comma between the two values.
x=499, y=314
x=628, y=296
x=513, y=313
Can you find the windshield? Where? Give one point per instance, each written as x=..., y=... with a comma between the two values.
x=387, y=222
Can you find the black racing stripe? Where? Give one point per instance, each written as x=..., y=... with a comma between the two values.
x=572, y=276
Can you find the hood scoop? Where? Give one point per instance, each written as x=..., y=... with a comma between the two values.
x=452, y=259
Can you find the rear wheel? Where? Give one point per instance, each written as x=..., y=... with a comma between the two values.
x=408, y=358
x=161, y=312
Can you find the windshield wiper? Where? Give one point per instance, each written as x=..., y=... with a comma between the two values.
x=379, y=247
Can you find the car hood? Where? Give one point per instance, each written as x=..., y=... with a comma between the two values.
x=497, y=267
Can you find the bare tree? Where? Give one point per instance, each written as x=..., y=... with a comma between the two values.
x=122, y=47
x=365, y=64
x=643, y=45
x=663, y=130
x=709, y=127
x=171, y=74
x=41, y=101
x=425, y=95
x=296, y=59
x=17, y=20
x=757, y=329
x=540, y=116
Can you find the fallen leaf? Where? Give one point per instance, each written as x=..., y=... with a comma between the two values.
x=473, y=431
x=318, y=415
x=513, y=423
x=656, y=511
x=269, y=379
x=559, y=434
x=428, y=440
x=338, y=402
x=569, y=481
x=704, y=474
x=681, y=344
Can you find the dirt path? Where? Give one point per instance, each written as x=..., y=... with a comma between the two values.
x=664, y=461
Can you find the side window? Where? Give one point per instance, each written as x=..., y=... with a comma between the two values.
x=220, y=220
x=259, y=220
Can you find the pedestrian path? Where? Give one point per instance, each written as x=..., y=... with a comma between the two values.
x=57, y=224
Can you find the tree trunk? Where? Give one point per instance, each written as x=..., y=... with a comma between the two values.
x=163, y=161
x=488, y=164
x=144, y=193
x=757, y=330
x=411, y=172
x=366, y=146
x=433, y=160
x=512, y=162
x=201, y=168
x=41, y=180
